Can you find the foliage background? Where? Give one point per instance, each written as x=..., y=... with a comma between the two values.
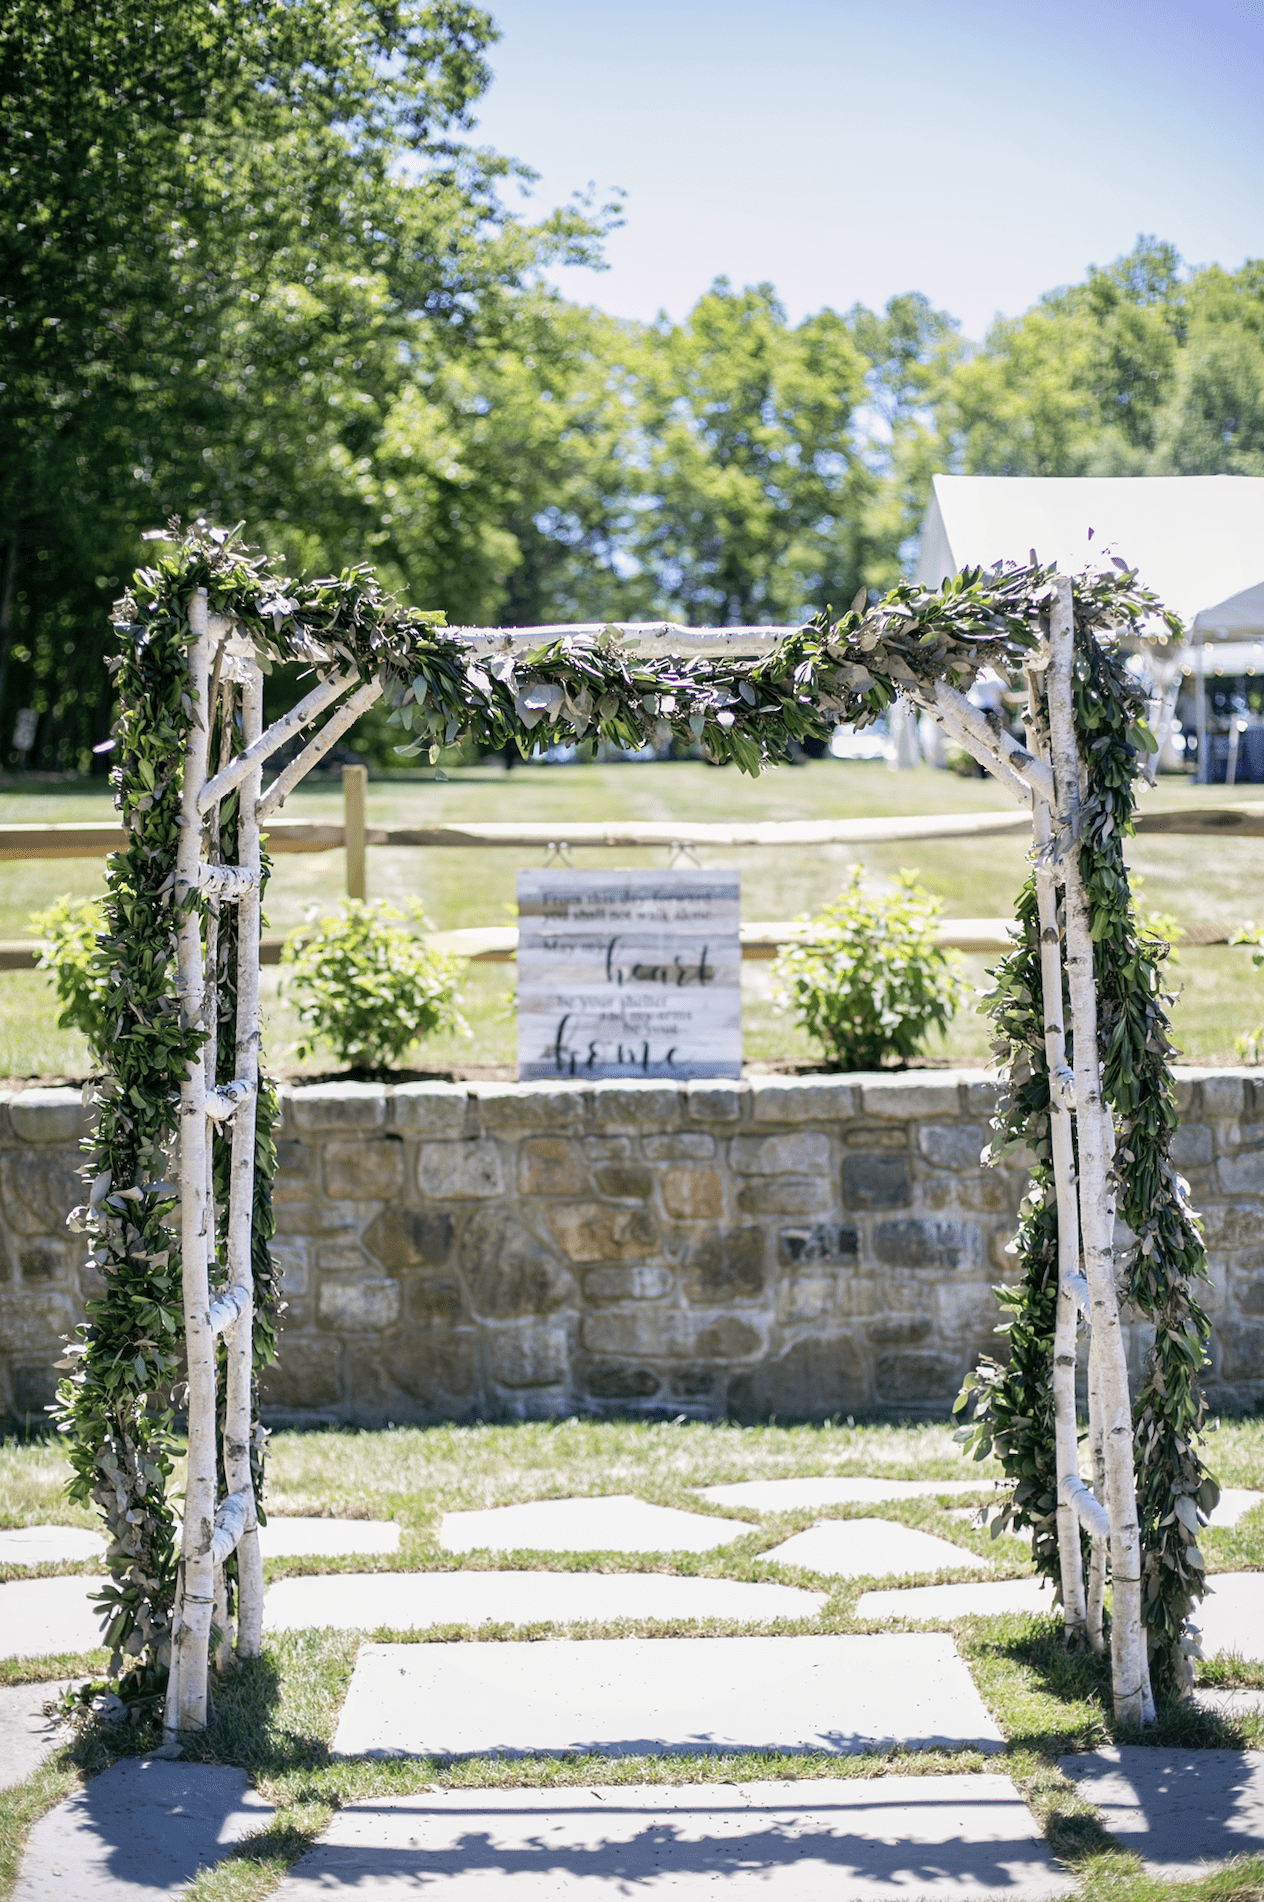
x=252, y=263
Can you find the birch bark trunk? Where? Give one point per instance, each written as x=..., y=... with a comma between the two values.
x=239, y=1341
x=197, y=1586
x=1129, y=1666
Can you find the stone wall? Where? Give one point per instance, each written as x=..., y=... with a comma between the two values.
x=803, y=1247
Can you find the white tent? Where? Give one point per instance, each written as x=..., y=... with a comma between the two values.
x=1198, y=541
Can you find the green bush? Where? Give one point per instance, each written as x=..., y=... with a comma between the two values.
x=368, y=986
x=870, y=979
x=69, y=929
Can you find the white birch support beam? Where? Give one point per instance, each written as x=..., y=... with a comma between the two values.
x=1062, y=1147
x=330, y=689
x=238, y=1396
x=1129, y=1664
x=1100, y=1548
x=230, y=882
x=1092, y=1515
x=317, y=747
x=1034, y=774
x=227, y=1099
x=230, y=1524
x=227, y=1308
x=986, y=751
x=196, y=1598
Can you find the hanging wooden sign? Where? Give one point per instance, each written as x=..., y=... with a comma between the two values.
x=629, y=974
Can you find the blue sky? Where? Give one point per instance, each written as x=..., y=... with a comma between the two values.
x=978, y=151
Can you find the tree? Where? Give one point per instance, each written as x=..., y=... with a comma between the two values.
x=227, y=236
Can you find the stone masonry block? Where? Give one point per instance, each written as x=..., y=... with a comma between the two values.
x=1222, y=1095
x=953, y=1145
x=452, y=1171
x=508, y=1270
x=622, y=1383
x=430, y=1109
x=291, y=1259
x=348, y=1255
x=315, y=1217
x=1191, y=1145
x=966, y=1309
x=928, y=1244
x=589, y=1231
x=729, y=1266
x=48, y=1116
x=437, y=1369
x=979, y=1095
x=916, y=1379
x=31, y=1321
x=911, y=1101
x=817, y=1378
x=690, y=1145
x=811, y=1099
x=613, y=1148
x=410, y=1238
x=805, y=1295
x=692, y=1194
x=515, y=1106
x=435, y=1300
x=45, y=1261
x=899, y=1330
x=306, y=1374
x=881, y=1181
x=40, y=1187
x=356, y=1307
x=533, y=1354
x=364, y=1171
x=639, y=1281
x=655, y=1334
x=339, y=1106
x=785, y=1195
x=710, y=1101
x=550, y=1165
x=834, y=1242
x=805, y=1153
x=623, y=1181
x=636, y=1105
x=1242, y=1174
x=1185, y=1090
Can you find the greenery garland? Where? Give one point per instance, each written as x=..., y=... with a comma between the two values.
x=1014, y=1404
x=116, y=1407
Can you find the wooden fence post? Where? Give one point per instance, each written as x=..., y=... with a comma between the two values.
x=355, y=785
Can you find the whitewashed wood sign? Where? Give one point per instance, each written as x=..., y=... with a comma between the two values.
x=624, y=974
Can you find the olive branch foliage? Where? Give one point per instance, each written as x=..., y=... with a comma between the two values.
x=119, y=1399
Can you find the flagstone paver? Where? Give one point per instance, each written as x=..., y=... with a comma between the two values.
x=1177, y=1809
x=1225, y=1701
x=1234, y=1503
x=413, y=1601
x=41, y=1617
x=872, y=1548
x=1231, y=1616
x=939, y=1603
x=616, y=1523
x=27, y=1735
x=138, y=1832
x=968, y=1837
x=326, y=1538
x=49, y=1545
x=791, y=1495
x=649, y=1695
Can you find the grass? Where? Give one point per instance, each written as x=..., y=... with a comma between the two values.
x=1222, y=997
x=275, y=1718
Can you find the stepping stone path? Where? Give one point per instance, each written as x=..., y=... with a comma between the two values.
x=872, y=1548
x=616, y=1523
x=633, y=1696
x=937, y=1604
x=50, y=1545
x=138, y=1831
x=1176, y=1809
x=326, y=1538
x=1222, y=1701
x=27, y=1735
x=1231, y=1616
x=1234, y=1503
x=965, y=1837
x=413, y=1601
x=793, y=1495
x=45, y=1617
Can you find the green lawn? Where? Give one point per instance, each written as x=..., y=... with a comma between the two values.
x=276, y=1718
x=1193, y=878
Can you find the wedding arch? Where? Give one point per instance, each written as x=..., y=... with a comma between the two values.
x=179, y=1214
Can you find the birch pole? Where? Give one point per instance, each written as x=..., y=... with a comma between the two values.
x=186, y=1702
x=1061, y=1141
x=239, y=1339
x=1129, y=1665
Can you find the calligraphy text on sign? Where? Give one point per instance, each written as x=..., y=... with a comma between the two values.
x=629, y=974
